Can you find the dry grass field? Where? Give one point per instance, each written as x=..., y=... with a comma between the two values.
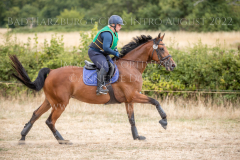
x=195, y=131
x=183, y=39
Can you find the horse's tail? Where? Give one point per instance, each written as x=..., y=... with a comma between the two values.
x=24, y=78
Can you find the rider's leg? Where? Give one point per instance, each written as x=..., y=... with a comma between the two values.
x=101, y=76
x=101, y=62
x=99, y=59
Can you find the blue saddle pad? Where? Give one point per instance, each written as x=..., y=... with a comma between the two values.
x=90, y=76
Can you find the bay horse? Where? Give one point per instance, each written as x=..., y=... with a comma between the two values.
x=58, y=87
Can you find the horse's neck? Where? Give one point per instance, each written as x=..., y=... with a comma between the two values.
x=138, y=54
x=138, y=57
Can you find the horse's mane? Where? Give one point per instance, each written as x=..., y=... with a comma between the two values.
x=137, y=41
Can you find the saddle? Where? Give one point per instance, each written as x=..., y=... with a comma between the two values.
x=92, y=66
x=89, y=65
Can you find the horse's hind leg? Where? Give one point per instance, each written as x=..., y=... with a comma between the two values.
x=36, y=114
x=57, y=110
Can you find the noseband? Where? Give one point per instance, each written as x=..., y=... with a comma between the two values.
x=155, y=47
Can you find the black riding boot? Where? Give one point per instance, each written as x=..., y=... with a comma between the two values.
x=101, y=82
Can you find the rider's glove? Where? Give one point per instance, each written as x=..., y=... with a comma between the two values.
x=117, y=54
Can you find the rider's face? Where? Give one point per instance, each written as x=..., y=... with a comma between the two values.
x=118, y=27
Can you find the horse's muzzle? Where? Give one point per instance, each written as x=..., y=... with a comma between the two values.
x=172, y=67
x=169, y=65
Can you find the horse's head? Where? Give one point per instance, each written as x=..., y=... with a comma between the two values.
x=161, y=55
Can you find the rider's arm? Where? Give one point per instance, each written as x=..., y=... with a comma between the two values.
x=107, y=41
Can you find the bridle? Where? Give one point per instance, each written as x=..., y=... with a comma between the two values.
x=160, y=57
x=155, y=47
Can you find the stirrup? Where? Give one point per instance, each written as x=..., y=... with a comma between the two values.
x=100, y=90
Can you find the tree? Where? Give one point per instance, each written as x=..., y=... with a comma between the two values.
x=128, y=21
x=215, y=16
x=12, y=17
x=71, y=17
x=28, y=11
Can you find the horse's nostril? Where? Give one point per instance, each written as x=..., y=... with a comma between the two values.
x=173, y=65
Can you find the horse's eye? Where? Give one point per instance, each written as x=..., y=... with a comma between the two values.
x=161, y=49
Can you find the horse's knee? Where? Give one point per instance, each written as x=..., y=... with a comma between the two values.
x=34, y=117
x=159, y=108
x=36, y=114
x=153, y=101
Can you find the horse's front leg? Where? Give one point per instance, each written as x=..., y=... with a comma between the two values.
x=130, y=113
x=141, y=98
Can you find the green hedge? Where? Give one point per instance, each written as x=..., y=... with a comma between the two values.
x=198, y=68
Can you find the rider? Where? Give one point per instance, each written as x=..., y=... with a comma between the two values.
x=105, y=43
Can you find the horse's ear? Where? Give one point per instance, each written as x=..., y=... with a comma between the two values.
x=163, y=36
x=159, y=35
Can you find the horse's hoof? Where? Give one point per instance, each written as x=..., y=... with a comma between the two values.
x=163, y=122
x=21, y=142
x=141, y=138
x=65, y=142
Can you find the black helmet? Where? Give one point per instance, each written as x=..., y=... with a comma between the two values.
x=115, y=19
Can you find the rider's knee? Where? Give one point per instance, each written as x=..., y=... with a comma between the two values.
x=106, y=67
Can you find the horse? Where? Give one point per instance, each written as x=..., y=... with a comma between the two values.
x=59, y=87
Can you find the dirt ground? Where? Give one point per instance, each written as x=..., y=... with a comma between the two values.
x=103, y=132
